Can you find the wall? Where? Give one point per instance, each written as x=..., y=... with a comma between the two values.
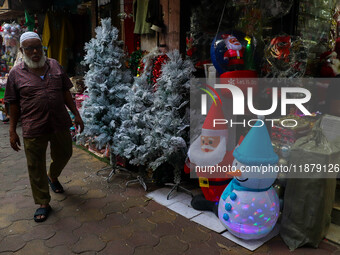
x=171, y=35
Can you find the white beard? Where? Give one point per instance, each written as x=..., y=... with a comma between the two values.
x=212, y=158
x=335, y=65
x=233, y=46
x=31, y=64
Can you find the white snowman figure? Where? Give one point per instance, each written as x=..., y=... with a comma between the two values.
x=249, y=206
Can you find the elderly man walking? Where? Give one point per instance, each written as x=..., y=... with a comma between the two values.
x=37, y=90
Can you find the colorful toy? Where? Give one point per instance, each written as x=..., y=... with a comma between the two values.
x=228, y=53
x=227, y=50
x=234, y=52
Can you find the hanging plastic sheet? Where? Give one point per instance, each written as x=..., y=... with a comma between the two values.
x=308, y=201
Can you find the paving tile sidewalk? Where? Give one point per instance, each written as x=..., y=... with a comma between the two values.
x=96, y=217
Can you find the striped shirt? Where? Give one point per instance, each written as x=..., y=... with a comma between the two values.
x=42, y=105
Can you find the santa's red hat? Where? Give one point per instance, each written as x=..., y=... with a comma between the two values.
x=219, y=129
x=328, y=54
x=225, y=36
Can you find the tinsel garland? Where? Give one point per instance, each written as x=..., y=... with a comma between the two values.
x=156, y=69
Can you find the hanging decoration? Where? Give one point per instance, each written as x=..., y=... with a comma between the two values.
x=10, y=33
x=274, y=9
x=30, y=22
x=317, y=22
x=229, y=50
x=285, y=57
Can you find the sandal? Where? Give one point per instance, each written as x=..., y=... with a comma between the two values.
x=56, y=186
x=42, y=211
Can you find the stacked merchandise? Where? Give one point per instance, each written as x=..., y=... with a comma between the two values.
x=283, y=138
x=10, y=34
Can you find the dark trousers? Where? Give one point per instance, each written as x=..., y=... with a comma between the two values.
x=35, y=150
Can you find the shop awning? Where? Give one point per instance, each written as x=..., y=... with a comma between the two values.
x=10, y=14
x=7, y=13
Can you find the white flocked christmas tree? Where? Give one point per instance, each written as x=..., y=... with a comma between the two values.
x=107, y=83
x=169, y=140
x=135, y=116
x=155, y=127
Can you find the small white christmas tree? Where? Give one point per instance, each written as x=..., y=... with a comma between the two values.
x=168, y=142
x=107, y=83
x=135, y=115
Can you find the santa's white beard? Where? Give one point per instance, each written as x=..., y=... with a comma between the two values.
x=233, y=46
x=335, y=64
x=31, y=64
x=212, y=158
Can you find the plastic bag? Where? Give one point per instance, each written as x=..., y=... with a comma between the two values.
x=308, y=202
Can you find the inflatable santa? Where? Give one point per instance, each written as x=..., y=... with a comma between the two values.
x=236, y=49
x=234, y=52
x=209, y=149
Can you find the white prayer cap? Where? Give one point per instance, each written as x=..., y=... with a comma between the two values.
x=28, y=35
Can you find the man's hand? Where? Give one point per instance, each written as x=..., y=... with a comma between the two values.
x=79, y=123
x=70, y=104
x=14, y=140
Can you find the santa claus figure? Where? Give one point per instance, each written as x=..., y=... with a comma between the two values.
x=330, y=64
x=235, y=51
x=210, y=149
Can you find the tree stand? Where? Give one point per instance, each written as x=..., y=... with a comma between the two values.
x=113, y=171
x=176, y=186
x=113, y=166
x=139, y=179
